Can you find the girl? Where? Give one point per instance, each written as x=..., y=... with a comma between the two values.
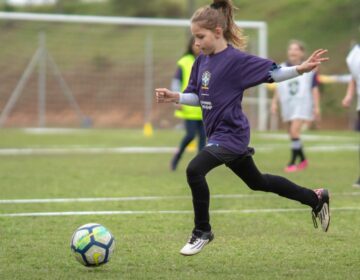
x=191, y=115
x=218, y=79
x=353, y=62
x=299, y=98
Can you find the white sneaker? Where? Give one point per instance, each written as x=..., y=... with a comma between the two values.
x=196, y=242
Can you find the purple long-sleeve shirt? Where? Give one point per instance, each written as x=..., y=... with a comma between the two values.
x=220, y=80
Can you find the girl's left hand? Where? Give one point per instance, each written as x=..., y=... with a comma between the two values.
x=346, y=102
x=313, y=61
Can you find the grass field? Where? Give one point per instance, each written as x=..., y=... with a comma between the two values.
x=277, y=243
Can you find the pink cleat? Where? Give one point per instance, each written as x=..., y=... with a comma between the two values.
x=302, y=165
x=291, y=168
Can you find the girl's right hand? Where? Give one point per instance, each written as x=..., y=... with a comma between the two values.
x=163, y=95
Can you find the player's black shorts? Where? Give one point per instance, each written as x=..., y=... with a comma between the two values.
x=226, y=156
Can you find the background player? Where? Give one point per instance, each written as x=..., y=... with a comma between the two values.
x=300, y=102
x=191, y=115
x=353, y=62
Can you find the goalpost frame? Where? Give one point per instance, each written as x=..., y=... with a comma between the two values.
x=258, y=25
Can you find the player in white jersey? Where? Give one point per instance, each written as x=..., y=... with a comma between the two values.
x=353, y=62
x=299, y=98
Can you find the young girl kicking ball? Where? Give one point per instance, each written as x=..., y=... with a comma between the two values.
x=218, y=79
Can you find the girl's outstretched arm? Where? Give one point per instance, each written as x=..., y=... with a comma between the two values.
x=280, y=74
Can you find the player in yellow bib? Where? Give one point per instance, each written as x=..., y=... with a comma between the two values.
x=191, y=115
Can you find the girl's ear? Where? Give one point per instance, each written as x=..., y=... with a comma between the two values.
x=218, y=32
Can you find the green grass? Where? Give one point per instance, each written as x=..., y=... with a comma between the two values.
x=247, y=246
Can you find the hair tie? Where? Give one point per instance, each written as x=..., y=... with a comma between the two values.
x=218, y=5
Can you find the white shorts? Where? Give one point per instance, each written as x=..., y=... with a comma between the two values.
x=293, y=110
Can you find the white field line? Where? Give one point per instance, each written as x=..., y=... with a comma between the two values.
x=41, y=131
x=152, y=150
x=62, y=151
x=306, y=137
x=114, y=199
x=332, y=148
x=164, y=212
x=144, y=198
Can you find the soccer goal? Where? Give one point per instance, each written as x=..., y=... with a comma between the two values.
x=69, y=70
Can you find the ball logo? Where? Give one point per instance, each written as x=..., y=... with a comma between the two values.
x=205, y=79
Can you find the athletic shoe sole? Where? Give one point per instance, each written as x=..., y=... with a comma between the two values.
x=324, y=213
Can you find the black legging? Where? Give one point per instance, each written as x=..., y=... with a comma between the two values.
x=246, y=169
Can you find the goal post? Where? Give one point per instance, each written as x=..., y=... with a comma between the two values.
x=107, y=64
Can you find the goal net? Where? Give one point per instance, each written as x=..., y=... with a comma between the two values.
x=71, y=71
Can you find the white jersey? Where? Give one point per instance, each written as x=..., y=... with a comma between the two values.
x=296, y=97
x=353, y=62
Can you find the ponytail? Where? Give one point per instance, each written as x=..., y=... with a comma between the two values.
x=221, y=14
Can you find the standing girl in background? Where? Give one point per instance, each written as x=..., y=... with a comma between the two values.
x=300, y=103
x=218, y=79
x=353, y=62
x=191, y=115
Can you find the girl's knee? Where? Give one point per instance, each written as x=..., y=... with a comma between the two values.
x=259, y=184
x=192, y=170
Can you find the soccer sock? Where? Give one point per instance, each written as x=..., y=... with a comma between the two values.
x=294, y=150
x=301, y=154
x=297, y=149
x=293, y=157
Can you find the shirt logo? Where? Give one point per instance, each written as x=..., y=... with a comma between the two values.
x=205, y=79
x=206, y=105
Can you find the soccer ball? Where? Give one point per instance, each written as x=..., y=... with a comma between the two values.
x=92, y=245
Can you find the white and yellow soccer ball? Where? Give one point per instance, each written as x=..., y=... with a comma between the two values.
x=92, y=245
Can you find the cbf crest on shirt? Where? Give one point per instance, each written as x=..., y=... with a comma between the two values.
x=220, y=80
x=205, y=78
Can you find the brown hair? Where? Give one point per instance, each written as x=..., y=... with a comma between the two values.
x=189, y=47
x=221, y=14
x=299, y=43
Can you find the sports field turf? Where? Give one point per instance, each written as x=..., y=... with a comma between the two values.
x=275, y=240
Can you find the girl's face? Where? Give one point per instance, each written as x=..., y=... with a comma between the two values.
x=295, y=54
x=195, y=49
x=205, y=39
